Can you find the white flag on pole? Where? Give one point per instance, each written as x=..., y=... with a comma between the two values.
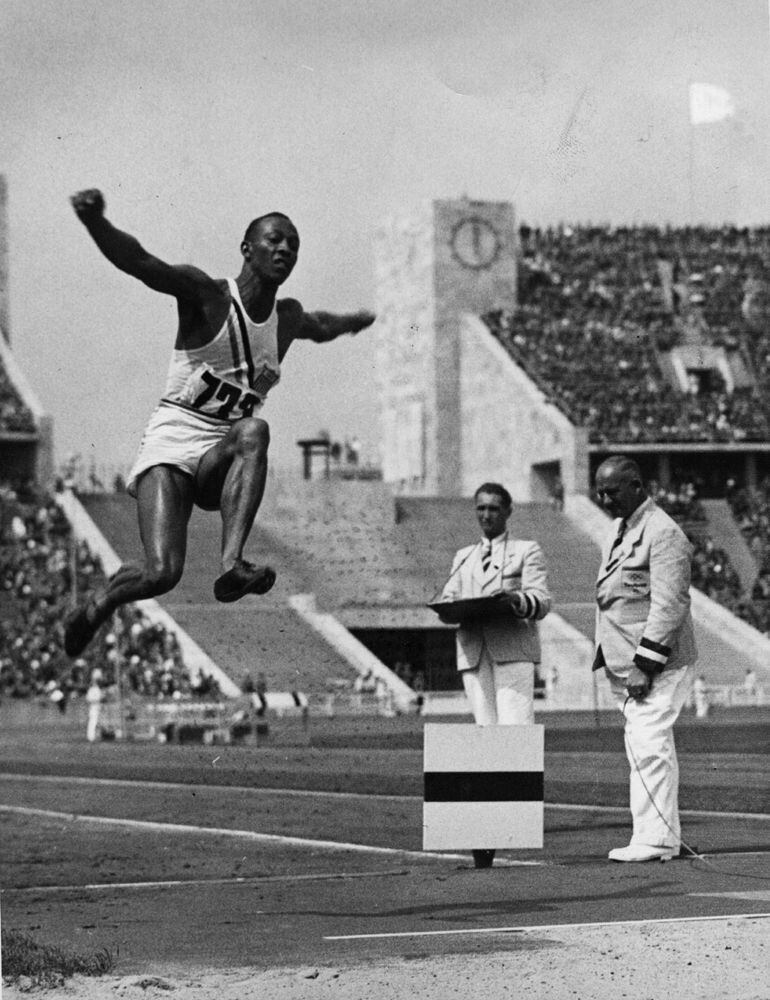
x=709, y=103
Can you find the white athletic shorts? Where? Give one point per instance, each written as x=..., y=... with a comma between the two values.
x=178, y=437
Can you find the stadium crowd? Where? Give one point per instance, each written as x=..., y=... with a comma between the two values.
x=597, y=305
x=15, y=416
x=41, y=568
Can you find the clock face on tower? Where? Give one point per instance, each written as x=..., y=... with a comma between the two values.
x=475, y=242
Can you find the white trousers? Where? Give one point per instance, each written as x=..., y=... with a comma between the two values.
x=94, y=711
x=649, y=738
x=501, y=694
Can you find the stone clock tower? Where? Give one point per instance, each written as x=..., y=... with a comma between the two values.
x=446, y=259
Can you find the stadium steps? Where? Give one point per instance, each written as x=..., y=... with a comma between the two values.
x=252, y=635
x=353, y=552
x=728, y=536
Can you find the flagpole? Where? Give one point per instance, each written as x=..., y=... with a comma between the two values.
x=691, y=175
x=691, y=156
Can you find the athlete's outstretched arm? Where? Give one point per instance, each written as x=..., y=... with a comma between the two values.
x=322, y=326
x=127, y=253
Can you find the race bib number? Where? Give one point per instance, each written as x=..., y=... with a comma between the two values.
x=218, y=397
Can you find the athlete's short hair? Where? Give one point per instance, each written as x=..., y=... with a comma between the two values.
x=251, y=229
x=497, y=490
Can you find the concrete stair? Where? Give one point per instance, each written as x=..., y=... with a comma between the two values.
x=727, y=535
x=255, y=634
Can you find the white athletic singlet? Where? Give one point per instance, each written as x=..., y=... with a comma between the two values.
x=229, y=377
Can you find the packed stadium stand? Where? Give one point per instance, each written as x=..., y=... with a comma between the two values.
x=599, y=309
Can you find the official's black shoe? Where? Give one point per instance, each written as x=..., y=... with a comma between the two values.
x=79, y=630
x=244, y=578
x=483, y=859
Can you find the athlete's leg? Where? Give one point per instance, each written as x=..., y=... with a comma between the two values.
x=232, y=476
x=164, y=502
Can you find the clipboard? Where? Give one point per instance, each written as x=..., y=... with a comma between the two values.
x=456, y=612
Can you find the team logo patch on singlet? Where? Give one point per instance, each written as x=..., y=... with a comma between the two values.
x=218, y=397
x=264, y=381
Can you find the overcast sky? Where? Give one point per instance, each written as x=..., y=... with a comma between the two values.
x=193, y=117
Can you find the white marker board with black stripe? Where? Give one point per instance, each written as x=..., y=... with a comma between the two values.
x=483, y=787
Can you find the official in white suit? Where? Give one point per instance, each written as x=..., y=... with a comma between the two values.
x=645, y=643
x=497, y=653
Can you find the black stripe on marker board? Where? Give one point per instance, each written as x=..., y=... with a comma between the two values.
x=483, y=786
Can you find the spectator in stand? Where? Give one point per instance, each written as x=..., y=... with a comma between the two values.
x=37, y=558
x=94, y=698
x=404, y=671
x=701, y=697
x=353, y=450
x=259, y=698
x=557, y=494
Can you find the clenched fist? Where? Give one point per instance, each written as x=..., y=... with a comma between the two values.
x=88, y=204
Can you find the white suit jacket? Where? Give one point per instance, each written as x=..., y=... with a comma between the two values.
x=643, y=596
x=516, y=565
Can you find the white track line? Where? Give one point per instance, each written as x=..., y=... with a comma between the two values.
x=197, y=882
x=182, y=785
x=692, y=813
x=309, y=793
x=264, y=838
x=716, y=855
x=762, y=895
x=543, y=927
